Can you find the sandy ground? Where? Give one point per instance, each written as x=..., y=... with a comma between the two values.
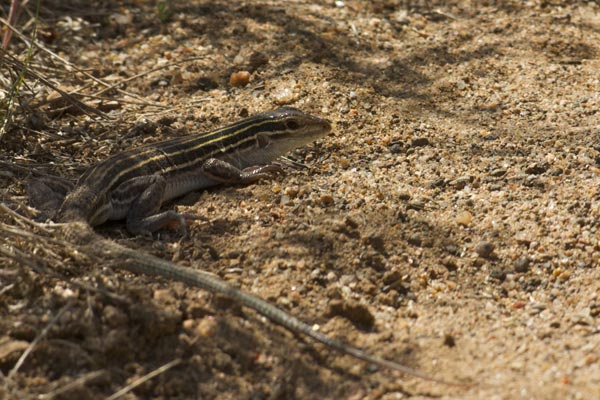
x=449, y=222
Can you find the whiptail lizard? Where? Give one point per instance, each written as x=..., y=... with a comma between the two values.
x=132, y=185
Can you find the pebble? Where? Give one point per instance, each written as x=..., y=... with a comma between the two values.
x=376, y=242
x=257, y=59
x=518, y=304
x=331, y=276
x=536, y=168
x=415, y=240
x=449, y=340
x=207, y=327
x=461, y=182
x=343, y=162
x=498, y=172
x=484, y=249
x=404, y=196
x=395, y=148
x=438, y=183
x=389, y=277
x=325, y=200
x=416, y=205
x=555, y=171
x=239, y=79
x=498, y=274
x=285, y=200
x=420, y=142
x=292, y=191
x=315, y=273
x=373, y=260
x=523, y=238
x=206, y=83
x=449, y=263
x=464, y=218
x=285, y=95
x=522, y=264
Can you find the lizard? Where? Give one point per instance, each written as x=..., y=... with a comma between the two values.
x=132, y=185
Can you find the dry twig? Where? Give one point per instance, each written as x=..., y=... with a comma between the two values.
x=144, y=378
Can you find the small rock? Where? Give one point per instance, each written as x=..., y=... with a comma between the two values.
x=391, y=276
x=517, y=305
x=285, y=94
x=344, y=162
x=417, y=205
x=464, y=218
x=257, y=59
x=484, y=249
x=239, y=79
x=438, y=183
x=395, y=148
x=419, y=142
x=536, y=168
x=453, y=249
x=498, y=274
x=359, y=314
x=404, y=196
x=206, y=83
x=523, y=238
x=498, y=172
x=449, y=340
x=166, y=121
x=373, y=260
x=522, y=264
x=207, y=327
x=461, y=182
x=555, y=171
x=449, y=263
x=285, y=200
x=325, y=200
x=292, y=191
x=415, y=240
x=490, y=137
x=376, y=241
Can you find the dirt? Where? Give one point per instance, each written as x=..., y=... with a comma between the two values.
x=449, y=221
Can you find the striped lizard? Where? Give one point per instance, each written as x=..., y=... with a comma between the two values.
x=133, y=185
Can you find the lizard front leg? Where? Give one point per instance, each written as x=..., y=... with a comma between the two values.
x=224, y=172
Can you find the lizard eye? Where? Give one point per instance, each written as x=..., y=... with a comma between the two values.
x=292, y=125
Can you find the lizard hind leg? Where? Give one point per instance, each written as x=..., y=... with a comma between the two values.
x=146, y=194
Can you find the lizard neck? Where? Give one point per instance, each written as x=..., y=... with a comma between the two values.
x=78, y=205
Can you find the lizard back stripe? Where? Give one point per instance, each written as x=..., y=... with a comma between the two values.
x=178, y=153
